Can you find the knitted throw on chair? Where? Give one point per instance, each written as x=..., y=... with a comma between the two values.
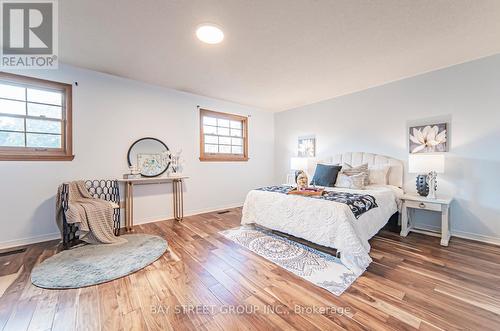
x=94, y=216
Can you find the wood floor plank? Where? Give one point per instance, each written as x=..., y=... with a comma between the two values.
x=65, y=316
x=412, y=284
x=21, y=316
x=88, y=311
x=109, y=308
x=134, y=321
x=168, y=302
x=43, y=316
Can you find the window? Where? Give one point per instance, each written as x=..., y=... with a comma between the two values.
x=223, y=137
x=35, y=119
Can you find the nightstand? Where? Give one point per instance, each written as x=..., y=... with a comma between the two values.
x=415, y=202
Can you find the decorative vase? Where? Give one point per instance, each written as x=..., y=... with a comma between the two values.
x=422, y=185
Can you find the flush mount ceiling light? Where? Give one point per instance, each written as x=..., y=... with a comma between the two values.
x=209, y=33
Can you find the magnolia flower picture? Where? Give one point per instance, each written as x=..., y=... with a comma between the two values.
x=429, y=138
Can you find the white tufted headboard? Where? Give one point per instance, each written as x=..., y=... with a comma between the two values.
x=395, y=175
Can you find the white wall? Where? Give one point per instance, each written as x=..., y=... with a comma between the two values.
x=109, y=114
x=376, y=120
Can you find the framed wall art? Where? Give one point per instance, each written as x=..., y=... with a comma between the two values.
x=307, y=146
x=432, y=138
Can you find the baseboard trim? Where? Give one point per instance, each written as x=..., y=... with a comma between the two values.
x=462, y=234
x=476, y=237
x=29, y=240
x=53, y=236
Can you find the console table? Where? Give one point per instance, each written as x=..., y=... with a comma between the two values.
x=178, y=193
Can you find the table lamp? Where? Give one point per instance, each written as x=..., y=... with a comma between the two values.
x=427, y=166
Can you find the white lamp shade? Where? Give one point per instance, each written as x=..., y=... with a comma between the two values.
x=425, y=163
x=298, y=163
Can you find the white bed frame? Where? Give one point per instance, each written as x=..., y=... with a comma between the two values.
x=264, y=211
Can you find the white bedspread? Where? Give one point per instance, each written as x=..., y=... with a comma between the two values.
x=324, y=222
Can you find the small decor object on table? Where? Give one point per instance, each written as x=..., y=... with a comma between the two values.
x=432, y=164
x=133, y=174
x=415, y=202
x=422, y=185
x=177, y=162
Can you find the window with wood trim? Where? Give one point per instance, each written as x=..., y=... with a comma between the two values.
x=35, y=119
x=223, y=137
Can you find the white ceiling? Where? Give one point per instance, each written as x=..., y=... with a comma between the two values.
x=277, y=54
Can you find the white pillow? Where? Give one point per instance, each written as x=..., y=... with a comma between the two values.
x=349, y=170
x=355, y=181
x=378, y=173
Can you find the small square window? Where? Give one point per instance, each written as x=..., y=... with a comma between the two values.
x=224, y=137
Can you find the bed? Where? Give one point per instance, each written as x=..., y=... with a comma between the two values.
x=330, y=223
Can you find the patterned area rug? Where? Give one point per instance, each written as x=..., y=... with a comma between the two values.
x=321, y=269
x=94, y=264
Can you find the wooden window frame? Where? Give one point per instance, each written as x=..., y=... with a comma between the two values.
x=219, y=157
x=65, y=153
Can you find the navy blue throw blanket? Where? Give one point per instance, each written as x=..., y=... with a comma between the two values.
x=358, y=203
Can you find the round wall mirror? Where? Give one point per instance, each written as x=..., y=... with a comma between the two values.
x=150, y=156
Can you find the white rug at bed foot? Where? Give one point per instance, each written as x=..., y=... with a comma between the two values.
x=319, y=268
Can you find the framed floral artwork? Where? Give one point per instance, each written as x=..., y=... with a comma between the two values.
x=307, y=146
x=431, y=138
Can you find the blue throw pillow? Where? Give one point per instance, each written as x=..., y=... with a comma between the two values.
x=326, y=175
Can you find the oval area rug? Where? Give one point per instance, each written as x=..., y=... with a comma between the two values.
x=95, y=264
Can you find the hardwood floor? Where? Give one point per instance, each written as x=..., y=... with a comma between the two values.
x=413, y=283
